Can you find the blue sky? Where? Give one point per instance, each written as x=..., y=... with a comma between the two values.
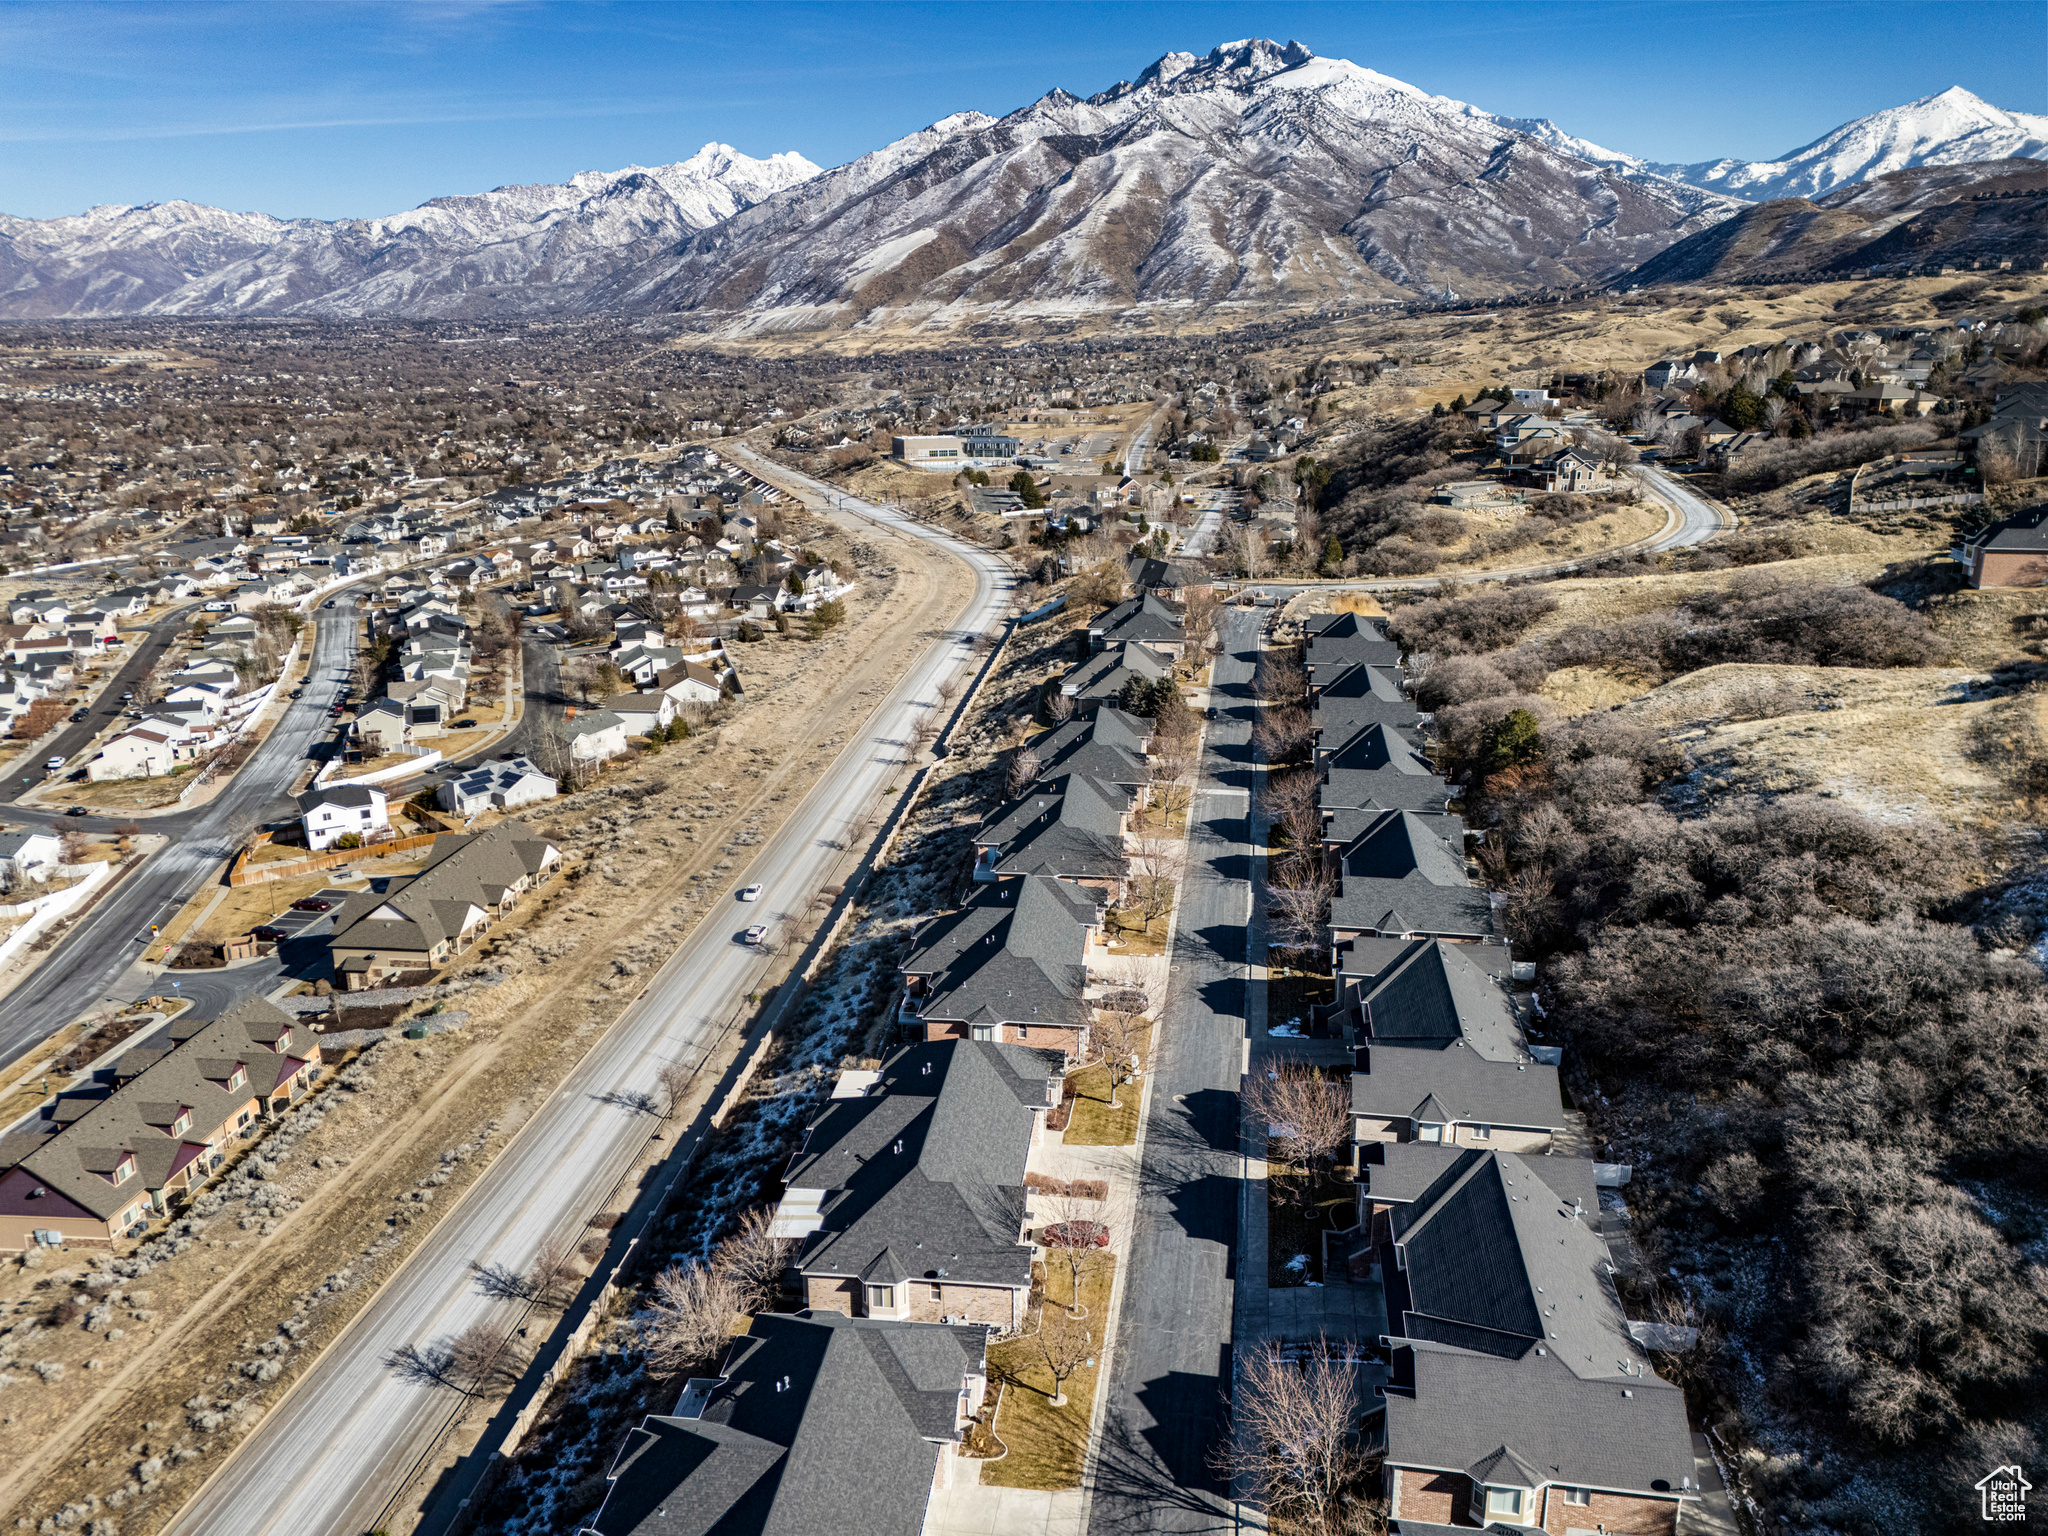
x=328, y=109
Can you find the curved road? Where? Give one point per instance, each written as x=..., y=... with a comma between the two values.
x=326, y=1458
x=90, y=959
x=1690, y=519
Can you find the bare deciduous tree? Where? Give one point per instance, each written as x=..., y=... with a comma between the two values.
x=1283, y=733
x=1298, y=906
x=1294, y=803
x=753, y=1259
x=551, y=1279
x=693, y=1310
x=1062, y=1347
x=1306, y=1113
x=1199, y=608
x=1023, y=772
x=1156, y=866
x=472, y=1361
x=673, y=1079
x=1296, y=1441
x=1174, y=755
x=1059, y=708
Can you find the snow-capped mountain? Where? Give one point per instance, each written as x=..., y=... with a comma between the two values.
x=1926, y=215
x=1260, y=173
x=1951, y=128
x=521, y=248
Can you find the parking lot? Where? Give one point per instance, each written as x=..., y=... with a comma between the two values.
x=294, y=924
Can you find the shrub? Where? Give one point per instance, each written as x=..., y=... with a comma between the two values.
x=1486, y=620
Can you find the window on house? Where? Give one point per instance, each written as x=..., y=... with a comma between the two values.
x=182, y=1124
x=938, y=1291
x=1482, y=1133
x=123, y=1169
x=984, y=1031
x=1503, y=1501
x=881, y=1298
x=1579, y=1496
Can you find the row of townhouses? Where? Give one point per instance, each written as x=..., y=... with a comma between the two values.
x=1518, y=1394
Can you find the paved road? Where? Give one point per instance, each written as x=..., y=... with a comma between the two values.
x=1169, y=1385
x=90, y=959
x=327, y=1457
x=1690, y=520
x=107, y=706
x=1134, y=455
x=1698, y=520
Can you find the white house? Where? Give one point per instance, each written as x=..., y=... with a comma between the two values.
x=597, y=735
x=501, y=785
x=334, y=812
x=143, y=753
x=29, y=854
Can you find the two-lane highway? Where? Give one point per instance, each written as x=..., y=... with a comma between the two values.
x=325, y=1460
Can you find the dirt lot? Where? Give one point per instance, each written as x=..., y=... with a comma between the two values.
x=424, y=1117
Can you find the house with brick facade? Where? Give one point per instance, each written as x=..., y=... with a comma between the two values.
x=815, y=1423
x=907, y=1198
x=100, y=1161
x=1010, y=966
x=1516, y=1394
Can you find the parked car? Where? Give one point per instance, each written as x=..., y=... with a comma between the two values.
x=298, y=693
x=463, y=725
x=311, y=904
x=54, y=765
x=128, y=697
x=267, y=932
x=1075, y=1234
x=751, y=893
x=756, y=934
x=78, y=810
x=78, y=715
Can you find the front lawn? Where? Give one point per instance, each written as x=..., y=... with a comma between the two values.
x=1092, y=1122
x=1048, y=1445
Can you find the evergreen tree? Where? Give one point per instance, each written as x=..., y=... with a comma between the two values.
x=1516, y=739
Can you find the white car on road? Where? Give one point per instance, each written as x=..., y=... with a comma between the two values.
x=756, y=934
x=751, y=893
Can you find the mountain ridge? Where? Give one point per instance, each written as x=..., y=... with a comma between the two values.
x=1259, y=173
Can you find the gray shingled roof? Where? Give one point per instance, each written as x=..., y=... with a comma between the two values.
x=1439, y=992
x=1360, y=681
x=1401, y=876
x=83, y=1135
x=1623, y=1436
x=926, y=1172
x=464, y=869
x=1014, y=955
x=1071, y=827
x=1455, y=1082
x=819, y=1423
x=1141, y=619
x=1103, y=676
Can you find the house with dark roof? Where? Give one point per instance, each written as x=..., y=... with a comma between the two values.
x=1148, y=621
x=100, y=1161
x=2010, y=553
x=1517, y=1395
x=1450, y=1093
x=1340, y=641
x=1378, y=769
x=1011, y=966
x=418, y=925
x=907, y=1197
x=815, y=1423
x=1103, y=677
x=1404, y=876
